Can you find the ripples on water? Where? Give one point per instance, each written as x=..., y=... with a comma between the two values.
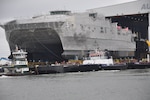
x=101, y=85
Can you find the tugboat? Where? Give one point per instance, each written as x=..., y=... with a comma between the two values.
x=19, y=61
x=19, y=64
x=103, y=60
x=99, y=57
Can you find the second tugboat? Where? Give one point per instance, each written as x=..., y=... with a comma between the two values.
x=104, y=60
x=99, y=57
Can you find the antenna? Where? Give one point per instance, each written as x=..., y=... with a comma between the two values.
x=16, y=48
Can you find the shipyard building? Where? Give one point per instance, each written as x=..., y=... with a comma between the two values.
x=133, y=15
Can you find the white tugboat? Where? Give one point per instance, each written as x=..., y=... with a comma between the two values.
x=19, y=62
x=99, y=57
x=104, y=60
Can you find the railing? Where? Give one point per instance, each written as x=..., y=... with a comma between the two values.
x=33, y=25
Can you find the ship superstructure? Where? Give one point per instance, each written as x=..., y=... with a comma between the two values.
x=48, y=37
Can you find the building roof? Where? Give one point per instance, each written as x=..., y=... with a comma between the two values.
x=134, y=7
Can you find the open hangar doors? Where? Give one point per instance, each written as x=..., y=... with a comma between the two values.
x=138, y=23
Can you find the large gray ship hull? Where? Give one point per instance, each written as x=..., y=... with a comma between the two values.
x=57, y=40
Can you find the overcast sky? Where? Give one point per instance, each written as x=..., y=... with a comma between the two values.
x=16, y=9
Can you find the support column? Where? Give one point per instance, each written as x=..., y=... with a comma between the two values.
x=148, y=55
x=149, y=26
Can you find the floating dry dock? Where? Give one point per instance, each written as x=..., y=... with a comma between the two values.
x=48, y=69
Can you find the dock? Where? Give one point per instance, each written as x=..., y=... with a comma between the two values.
x=53, y=69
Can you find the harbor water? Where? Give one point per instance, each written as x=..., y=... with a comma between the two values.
x=100, y=85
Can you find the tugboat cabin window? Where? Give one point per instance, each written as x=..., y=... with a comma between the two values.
x=93, y=15
x=60, y=12
x=102, y=29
